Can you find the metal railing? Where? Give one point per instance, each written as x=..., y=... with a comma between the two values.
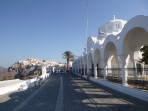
x=100, y=72
x=114, y=75
x=136, y=77
x=91, y=72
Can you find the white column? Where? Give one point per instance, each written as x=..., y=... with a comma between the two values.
x=105, y=69
x=80, y=69
x=124, y=72
x=135, y=72
x=87, y=70
x=84, y=70
x=95, y=70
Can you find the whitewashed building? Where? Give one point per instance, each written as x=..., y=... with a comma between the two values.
x=115, y=51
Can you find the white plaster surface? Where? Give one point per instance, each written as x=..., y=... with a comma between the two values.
x=9, y=86
x=14, y=85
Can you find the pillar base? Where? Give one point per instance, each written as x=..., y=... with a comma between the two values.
x=105, y=79
x=124, y=84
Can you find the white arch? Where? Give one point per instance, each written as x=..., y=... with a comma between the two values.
x=132, y=26
x=97, y=56
x=111, y=58
x=136, y=37
x=91, y=43
x=90, y=64
x=111, y=39
x=90, y=60
x=110, y=50
x=85, y=65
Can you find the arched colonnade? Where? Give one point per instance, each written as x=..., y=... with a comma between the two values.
x=114, y=55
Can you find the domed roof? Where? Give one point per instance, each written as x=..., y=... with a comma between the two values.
x=115, y=20
x=114, y=27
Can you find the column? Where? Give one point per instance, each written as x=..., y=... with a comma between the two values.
x=95, y=70
x=84, y=70
x=87, y=69
x=124, y=72
x=135, y=72
x=81, y=70
x=105, y=69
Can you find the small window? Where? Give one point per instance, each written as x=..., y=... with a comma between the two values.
x=108, y=27
x=103, y=29
x=119, y=26
x=116, y=26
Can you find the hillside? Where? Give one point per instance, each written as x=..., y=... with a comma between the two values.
x=5, y=74
x=1, y=67
x=28, y=68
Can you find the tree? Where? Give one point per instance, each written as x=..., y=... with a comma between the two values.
x=144, y=58
x=68, y=55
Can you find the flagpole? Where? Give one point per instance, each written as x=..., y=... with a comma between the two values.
x=86, y=33
x=86, y=21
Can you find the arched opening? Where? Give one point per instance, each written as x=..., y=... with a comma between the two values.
x=85, y=65
x=133, y=41
x=98, y=63
x=113, y=67
x=82, y=72
x=79, y=66
x=90, y=66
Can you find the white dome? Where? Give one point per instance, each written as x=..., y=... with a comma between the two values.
x=114, y=27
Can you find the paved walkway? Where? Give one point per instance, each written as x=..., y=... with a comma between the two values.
x=68, y=92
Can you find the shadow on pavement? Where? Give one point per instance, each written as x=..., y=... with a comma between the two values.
x=85, y=95
x=79, y=95
x=41, y=99
x=12, y=100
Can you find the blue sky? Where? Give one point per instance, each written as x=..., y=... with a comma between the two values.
x=44, y=29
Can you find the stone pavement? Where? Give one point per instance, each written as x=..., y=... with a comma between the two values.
x=71, y=93
x=42, y=99
x=85, y=95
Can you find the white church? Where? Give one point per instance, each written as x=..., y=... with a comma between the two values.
x=115, y=52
